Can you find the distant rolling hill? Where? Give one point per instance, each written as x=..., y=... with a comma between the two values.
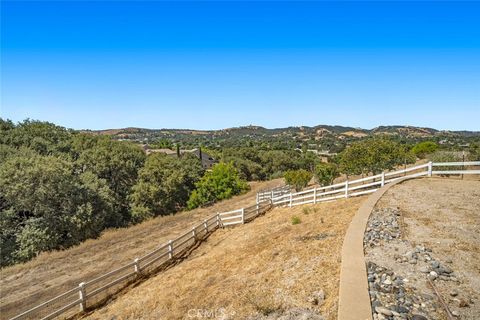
x=404, y=131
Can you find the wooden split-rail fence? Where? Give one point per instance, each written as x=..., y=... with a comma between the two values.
x=96, y=290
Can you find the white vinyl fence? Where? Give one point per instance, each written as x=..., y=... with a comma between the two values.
x=98, y=289
x=94, y=291
x=273, y=193
x=371, y=184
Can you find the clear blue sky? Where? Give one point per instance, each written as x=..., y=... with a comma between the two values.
x=211, y=65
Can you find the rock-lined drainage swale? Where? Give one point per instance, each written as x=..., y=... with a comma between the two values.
x=398, y=271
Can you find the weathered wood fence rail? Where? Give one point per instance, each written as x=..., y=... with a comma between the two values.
x=371, y=184
x=91, y=292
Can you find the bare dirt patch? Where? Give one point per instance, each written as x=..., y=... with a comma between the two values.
x=427, y=228
x=266, y=269
x=26, y=285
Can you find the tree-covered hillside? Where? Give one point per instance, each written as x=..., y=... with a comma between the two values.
x=320, y=138
x=59, y=186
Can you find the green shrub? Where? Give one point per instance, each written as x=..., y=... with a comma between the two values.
x=306, y=210
x=296, y=220
x=222, y=182
x=421, y=149
x=325, y=173
x=298, y=178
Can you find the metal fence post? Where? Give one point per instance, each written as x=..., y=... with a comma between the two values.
x=205, y=225
x=218, y=219
x=430, y=168
x=383, y=178
x=170, y=249
x=346, y=189
x=243, y=215
x=290, y=204
x=82, y=296
x=315, y=195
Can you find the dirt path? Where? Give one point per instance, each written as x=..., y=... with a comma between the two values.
x=26, y=285
x=428, y=228
x=266, y=269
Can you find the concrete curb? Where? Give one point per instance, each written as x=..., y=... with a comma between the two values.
x=354, y=299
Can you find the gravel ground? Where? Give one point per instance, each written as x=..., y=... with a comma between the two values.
x=422, y=235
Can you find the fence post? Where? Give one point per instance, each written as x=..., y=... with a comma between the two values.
x=383, y=178
x=271, y=197
x=137, y=266
x=430, y=168
x=346, y=189
x=82, y=296
x=290, y=205
x=194, y=233
x=205, y=225
x=257, y=208
x=170, y=249
x=257, y=197
x=315, y=195
x=243, y=215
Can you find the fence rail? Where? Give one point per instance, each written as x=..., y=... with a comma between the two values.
x=89, y=291
x=370, y=184
x=272, y=193
x=266, y=199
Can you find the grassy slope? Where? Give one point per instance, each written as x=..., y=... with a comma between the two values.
x=26, y=285
x=266, y=266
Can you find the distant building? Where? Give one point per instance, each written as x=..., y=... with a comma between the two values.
x=207, y=160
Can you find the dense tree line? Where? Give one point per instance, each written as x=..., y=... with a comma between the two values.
x=258, y=163
x=59, y=187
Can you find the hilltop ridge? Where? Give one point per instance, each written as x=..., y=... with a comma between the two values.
x=402, y=130
x=324, y=137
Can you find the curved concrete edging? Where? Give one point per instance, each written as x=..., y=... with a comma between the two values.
x=354, y=299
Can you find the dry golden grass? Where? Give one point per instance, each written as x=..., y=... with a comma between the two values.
x=266, y=267
x=49, y=274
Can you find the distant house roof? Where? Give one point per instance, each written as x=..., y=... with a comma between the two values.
x=165, y=151
x=207, y=160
